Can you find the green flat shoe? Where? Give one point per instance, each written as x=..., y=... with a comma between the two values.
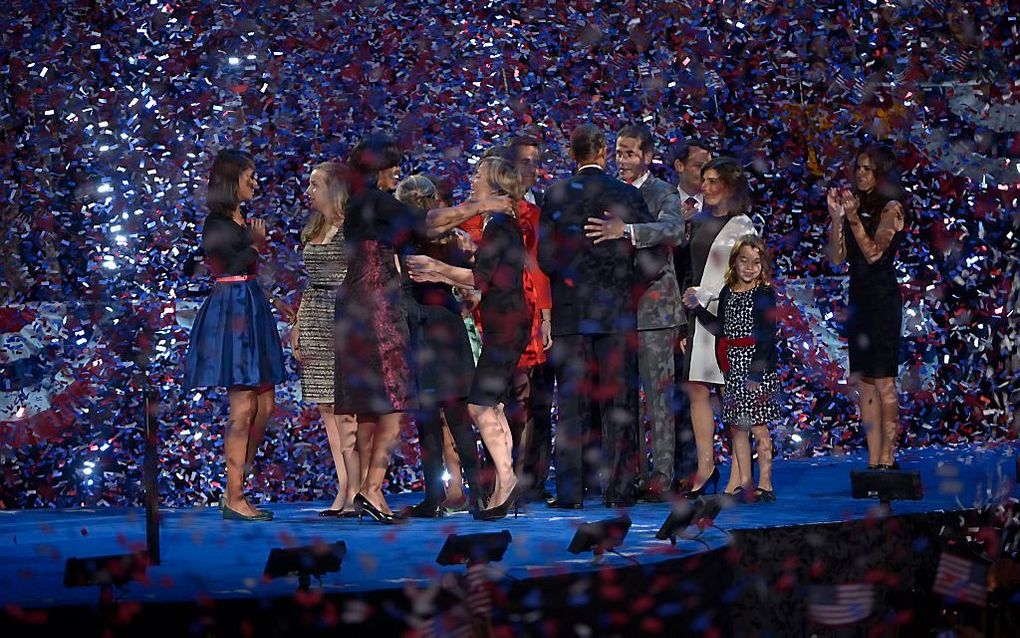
x=233, y=515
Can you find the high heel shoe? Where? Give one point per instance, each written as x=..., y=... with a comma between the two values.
x=713, y=479
x=330, y=513
x=501, y=510
x=883, y=466
x=378, y=515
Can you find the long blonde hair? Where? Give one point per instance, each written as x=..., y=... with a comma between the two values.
x=503, y=178
x=756, y=242
x=335, y=177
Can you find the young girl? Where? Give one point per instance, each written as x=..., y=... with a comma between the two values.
x=234, y=343
x=745, y=329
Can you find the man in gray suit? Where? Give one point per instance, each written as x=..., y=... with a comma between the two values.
x=660, y=310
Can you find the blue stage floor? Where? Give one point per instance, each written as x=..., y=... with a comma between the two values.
x=204, y=556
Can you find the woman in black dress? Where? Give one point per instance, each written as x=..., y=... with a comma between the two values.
x=866, y=230
x=499, y=274
x=374, y=378
x=443, y=364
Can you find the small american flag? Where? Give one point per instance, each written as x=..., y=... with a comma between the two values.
x=479, y=600
x=840, y=604
x=962, y=580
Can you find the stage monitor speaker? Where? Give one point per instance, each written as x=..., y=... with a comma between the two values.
x=886, y=485
x=701, y=512
x=488, y=547
x=105, y=571
x=304, y=562
x=599, y=537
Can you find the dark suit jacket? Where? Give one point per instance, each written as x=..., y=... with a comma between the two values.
x=660, y=306
x=595, y=288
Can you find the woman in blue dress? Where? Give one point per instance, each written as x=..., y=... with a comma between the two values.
x=234, y=342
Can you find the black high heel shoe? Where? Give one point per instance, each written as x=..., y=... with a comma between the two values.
x=378, y=515
x=713, y=479
x=883, y=466
x=501, y=510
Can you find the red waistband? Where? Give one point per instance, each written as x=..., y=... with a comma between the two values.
x=234, y=279
x=720, y=350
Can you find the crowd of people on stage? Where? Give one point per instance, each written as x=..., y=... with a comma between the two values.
x=600, y=290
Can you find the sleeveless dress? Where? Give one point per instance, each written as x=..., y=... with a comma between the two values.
x=506, y=321
x=875, y=312
x=373, y=373
x=234, y=342
x=325, y=265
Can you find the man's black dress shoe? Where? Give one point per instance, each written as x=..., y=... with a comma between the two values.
x=621, y=502
x=556, y=503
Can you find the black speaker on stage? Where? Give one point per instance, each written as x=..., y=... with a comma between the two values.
x=105, y=571
x=599, y=537
x=886, y=485
x=304, y=562
x=488, y=547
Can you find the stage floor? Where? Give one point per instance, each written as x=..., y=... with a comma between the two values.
x=206, y=557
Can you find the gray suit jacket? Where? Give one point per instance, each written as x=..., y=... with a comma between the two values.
x=661, y=305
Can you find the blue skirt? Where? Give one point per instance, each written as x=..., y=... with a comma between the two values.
x=234, y=341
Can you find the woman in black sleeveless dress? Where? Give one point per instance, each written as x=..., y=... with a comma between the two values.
x=866, y=231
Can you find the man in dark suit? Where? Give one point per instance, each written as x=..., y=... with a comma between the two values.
x=595, y=293
x=660, y=311
x=688, y=157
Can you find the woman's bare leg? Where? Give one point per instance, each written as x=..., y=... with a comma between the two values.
x=243, y=404
x=889, y=419
x=495, y=434
x=871, y=416
x=703, y=424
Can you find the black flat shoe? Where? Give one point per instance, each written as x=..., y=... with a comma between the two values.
x=425, y=509
x=330, y=513
x=365, y=507
x=556, y=503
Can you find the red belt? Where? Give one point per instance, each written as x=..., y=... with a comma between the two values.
x=720, y=349
x=234, y=279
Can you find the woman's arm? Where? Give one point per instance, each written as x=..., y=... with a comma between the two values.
x=423, y=268
x=837, y=242
x=889, y=224
x=442, y=220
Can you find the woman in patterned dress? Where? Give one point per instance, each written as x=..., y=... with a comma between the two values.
x=312, y=339
x=745, y=330
x=374, y=378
